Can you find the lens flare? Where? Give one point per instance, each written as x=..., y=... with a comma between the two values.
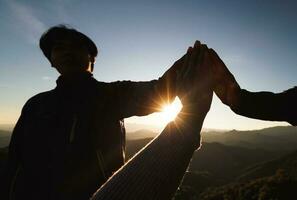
x=169, y=112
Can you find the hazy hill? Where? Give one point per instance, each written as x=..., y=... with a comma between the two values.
x=216, y=164
x=4, y=138
x=6, y=127
x=275, y=179
x=232, y=164
x=282, y=138
x=276, y=138
x=232, y=160
x=256, y=157
x=287, y=163
x=279, y=186
x=140, y=134
x=226, y=162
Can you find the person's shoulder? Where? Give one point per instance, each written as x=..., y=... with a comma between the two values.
x=292, y=92
x=99, y=85
x=106, y=86
x=39, y=98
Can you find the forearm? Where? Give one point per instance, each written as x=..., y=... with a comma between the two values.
x=143, y=97
x=156, y=171
x=268, y=105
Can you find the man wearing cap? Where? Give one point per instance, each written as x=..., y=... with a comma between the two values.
x=69, y=140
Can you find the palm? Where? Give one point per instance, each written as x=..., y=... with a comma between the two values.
x=226, y=87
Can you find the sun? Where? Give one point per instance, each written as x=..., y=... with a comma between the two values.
x=169, y=112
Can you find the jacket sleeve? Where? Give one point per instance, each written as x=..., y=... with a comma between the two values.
x=13, y=160
x=269, y=106
x=141, y=98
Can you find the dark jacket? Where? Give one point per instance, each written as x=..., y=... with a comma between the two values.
x=69, y=140
x=269, y=106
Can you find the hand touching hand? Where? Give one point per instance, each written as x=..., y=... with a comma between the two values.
x=195, y=89
x=194, y=79
x=226, y=87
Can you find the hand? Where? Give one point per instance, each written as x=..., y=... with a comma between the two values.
x=195, y=89
x=226, y=87
x=181, y=73
x=168, y=83
x=195, y=78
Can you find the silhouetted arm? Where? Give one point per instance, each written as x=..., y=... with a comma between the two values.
x=145, y=97
x=141, y=98
x=268, y=105
x=156, y=171
x=257, y=105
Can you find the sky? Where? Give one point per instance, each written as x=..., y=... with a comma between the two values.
x=140, y=40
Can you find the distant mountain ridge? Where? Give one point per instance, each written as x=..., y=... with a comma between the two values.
x=7, y=127
x=141, y=134
x=4, y=138
x=233, y=164
x=282, y=138
x=268, y=168
x=276, y=179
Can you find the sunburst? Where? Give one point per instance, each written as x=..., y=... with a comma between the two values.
x=169, y=112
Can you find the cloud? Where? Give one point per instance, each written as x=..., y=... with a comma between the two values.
x=26, y=21
x=46, y=78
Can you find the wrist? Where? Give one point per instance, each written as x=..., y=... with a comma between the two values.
x=190, y=128
x=190, y=119
x=234, y=98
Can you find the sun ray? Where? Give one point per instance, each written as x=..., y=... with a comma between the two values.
x=169, y=112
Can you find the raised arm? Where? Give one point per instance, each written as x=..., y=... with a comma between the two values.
x=156, y=171
x=268, y=105
x=258, y=105
x=145, y=97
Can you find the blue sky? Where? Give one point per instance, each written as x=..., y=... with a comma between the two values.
x=140, y=40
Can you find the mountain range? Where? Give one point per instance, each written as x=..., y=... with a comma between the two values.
x=257, y=164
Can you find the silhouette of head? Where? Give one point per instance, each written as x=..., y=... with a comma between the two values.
x=68, y=50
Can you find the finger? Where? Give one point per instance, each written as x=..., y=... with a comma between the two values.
x=194, y=73
x=206, y=70
x=184, y=67
x=198, y=61
x=192, y=61
x=204, y=81
x=220, y=70
x=182, y=70
x=197, y=44
x=217, y=61
x=190, y=49
x=213, y=53
x=191, y=76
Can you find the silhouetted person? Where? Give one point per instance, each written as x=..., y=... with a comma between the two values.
x=69, y=140
x=258, y=105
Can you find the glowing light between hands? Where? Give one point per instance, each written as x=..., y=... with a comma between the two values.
x=169, y=112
